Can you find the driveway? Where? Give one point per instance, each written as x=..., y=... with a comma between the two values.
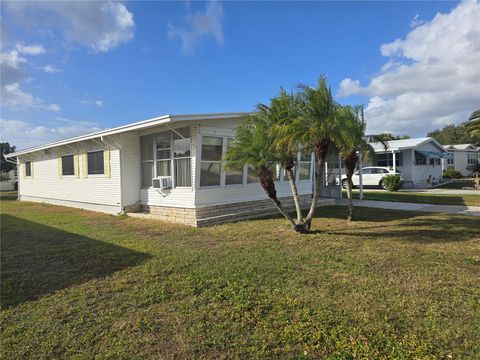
x=449, y=209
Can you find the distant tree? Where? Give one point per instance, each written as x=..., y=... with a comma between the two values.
x=473, y=125
x=6, y=149
x=455, y=134
x=390, y=136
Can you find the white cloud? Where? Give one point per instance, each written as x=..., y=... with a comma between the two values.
x=99, y=25
x=50, y=69
x=12, y=69
x=432, y=76
x=14, y=97
x=97, y=103
x=200, y=25
x=23, y=134
x=416, y=21
x=53, y=107
x=33, y=49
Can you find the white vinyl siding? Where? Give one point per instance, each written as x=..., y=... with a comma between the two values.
x=95, y=192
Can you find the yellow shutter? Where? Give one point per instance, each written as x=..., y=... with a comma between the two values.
x=75, y=165
x=59, y=167
x=106, y=156
x=84, y=164
x=31, y=169
x=24, y=170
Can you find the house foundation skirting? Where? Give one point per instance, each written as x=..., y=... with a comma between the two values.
x=220, y=214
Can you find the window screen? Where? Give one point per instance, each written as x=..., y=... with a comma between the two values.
x=210, y=168
x=95, y=163
x=28, y=168
x=67, y=165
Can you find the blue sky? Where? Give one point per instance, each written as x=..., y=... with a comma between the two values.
x=70, y=68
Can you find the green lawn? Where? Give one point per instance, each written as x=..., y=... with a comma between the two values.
x=419, y=197
x=457, y=184
x=397, y=285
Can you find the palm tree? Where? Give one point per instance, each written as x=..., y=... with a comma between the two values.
x=473, y=127
x=283, y=111
x=316, y=130
x=352, y=142
x=253, y=146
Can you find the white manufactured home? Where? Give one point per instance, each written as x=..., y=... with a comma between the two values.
x=463, y=158
x=169, y=166
x=420, y=160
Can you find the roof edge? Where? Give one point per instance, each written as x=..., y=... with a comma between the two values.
x=159, y=120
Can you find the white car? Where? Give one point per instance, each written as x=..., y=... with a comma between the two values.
x=372, y=176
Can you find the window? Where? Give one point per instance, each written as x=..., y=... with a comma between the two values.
x=146, y=150
x=471, y=158
x=181, y=154
x=67, y=165
x=367, y=171
x=420, y=159
x=28, y=168
x=211, y=161
x=233, y=176
x=95, y=162
x=387, y=159
x=450, y=158
x=304, y=166
x=166, y=151
x=163, y=152
x=437, y=161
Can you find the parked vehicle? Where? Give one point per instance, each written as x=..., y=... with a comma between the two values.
x=372, y=176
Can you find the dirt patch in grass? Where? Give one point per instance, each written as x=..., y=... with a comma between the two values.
x=77, y=284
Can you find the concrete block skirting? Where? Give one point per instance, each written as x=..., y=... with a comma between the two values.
x=224, y=213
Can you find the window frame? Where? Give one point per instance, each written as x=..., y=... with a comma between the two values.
x=451, y=158
x=228, y=139
x=103, y=162
x=471, y=158
x=222, y=170
x=171, y=159
x=29, y=168
x=73, y=164
x=301, y=162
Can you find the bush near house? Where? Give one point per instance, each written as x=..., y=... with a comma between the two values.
x=392, y=182
x=452, y=174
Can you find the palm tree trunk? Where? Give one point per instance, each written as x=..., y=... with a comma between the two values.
x=321, y=148
x=293, y=186
x=268, y=185
x=350, y=164
x=349, y=198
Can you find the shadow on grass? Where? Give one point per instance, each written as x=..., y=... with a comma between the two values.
x=424, y=229
x=361, y=214
x=410, y=226
x=419, y=197
x=37, y=260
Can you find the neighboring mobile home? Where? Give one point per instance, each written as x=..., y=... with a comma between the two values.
x=463, y=158
x=419, y=160
x=169, y=166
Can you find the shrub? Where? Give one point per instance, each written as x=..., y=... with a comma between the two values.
x=392, y=182
x=452, y=174
x=4, y=177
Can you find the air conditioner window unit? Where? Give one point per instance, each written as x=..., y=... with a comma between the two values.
x=162, y=182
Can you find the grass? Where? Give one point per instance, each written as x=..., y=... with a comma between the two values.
x=457, y=184
x=398, y=285
x=419, y=197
